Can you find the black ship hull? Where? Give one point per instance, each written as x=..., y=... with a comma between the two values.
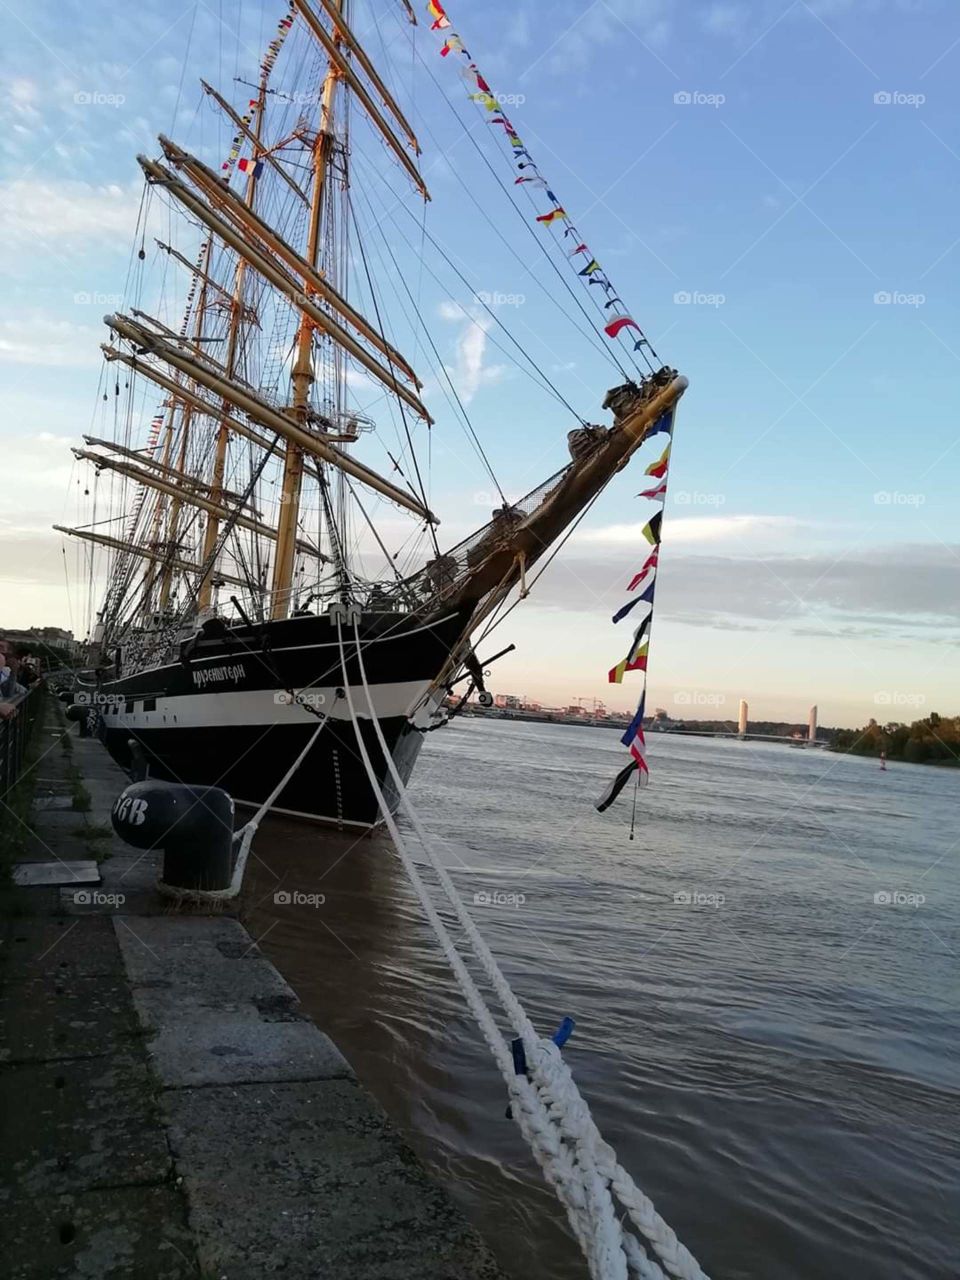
x=224, y=715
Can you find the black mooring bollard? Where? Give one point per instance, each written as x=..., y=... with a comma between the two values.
x=80, y=714
x=193, y=826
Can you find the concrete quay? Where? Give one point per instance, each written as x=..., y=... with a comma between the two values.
x=168, y=1110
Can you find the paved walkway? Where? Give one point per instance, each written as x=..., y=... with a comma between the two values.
x=168, y=1110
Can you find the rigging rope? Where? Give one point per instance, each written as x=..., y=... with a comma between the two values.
x=492, y=104
x=606, y=351
x=496, y=319
x=549, y=1109
x=403, y=414
x=440, y=364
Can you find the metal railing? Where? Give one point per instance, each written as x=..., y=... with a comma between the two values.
x=15, y=733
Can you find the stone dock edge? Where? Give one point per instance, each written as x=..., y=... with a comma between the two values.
x=171, y=1111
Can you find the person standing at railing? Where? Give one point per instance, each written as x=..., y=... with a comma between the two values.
x=10, y=689
x=28, y=672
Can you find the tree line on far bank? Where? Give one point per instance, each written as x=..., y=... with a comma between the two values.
x=933, y=740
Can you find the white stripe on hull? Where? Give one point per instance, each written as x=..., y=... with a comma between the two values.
x=263, y=707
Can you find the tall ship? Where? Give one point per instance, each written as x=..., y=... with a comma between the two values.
x=259, y=488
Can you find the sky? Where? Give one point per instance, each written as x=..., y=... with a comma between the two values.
x=772, y=186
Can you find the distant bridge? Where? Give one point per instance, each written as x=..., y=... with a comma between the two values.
x=792, y=739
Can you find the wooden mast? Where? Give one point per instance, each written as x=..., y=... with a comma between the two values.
x=332, y=45
x=302, y=376
x=158, y=510
x=173, y=523
x=212, y=529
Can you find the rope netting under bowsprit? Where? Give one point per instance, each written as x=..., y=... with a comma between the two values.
x=615, y=1223
x=448, y=571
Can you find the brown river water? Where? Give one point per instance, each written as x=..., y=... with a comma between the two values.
x=765, y=985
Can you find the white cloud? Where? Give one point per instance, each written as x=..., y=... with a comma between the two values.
x=697, y=529
x=469, y=371
x=22, y=97
x=518, y=33
x=66, y=215
x=26, y=510
x=725, y=19
x=470, y=351
x=38, y=339
x=451, y=311
x=611, y=22
x=844, y=596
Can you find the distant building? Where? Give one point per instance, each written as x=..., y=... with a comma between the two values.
x=508, y=701
x=37, y=639
x=742, y=719
x=54, y=635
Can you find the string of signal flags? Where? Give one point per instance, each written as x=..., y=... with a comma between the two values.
x=634, y=738
x=618, y=320
x=252, y=165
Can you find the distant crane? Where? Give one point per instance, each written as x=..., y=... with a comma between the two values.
x=593, y=704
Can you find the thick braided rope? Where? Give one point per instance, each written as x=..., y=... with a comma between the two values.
x=564, y=1099
x=592, y=1150
x=602, y=1252
x=583, y=1183
x=579, y=1124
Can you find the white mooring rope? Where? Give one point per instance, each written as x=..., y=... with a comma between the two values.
x=594, y=1188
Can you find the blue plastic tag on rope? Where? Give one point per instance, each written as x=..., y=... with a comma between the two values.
x=559, y=1038
x=563, y=1032
x=519, y=1057
x=519, y=1066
